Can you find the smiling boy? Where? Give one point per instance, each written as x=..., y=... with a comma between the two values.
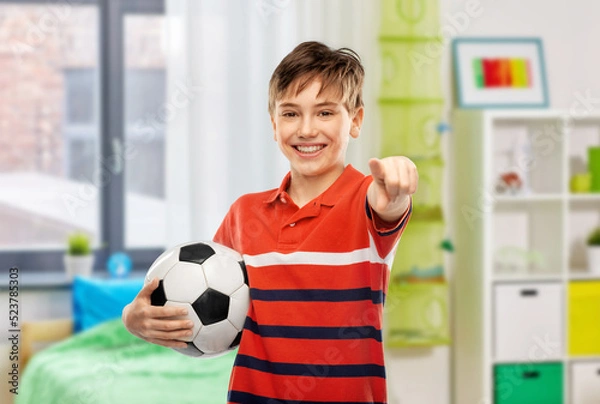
x=318, y=249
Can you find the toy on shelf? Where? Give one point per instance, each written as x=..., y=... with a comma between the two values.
x=581, y=183
x=594, y=168
x=514, y=260
x=509, y=183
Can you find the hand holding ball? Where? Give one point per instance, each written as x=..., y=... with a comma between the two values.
x=210, y=281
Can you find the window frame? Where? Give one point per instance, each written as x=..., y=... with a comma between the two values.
x=111, y=14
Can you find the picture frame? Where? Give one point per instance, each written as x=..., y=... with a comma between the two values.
x=500, y=73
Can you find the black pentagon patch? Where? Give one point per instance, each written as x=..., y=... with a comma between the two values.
x=245, y=272
x=196, y=253
x=212, y=306
x=192, y=346
x=236, y=341
x=158, y=297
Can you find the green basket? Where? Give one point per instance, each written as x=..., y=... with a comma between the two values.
x=594, y=168
x=417, y=315
x=408, y=72
x=410, y=18
x=411, y=129
x=528, y=383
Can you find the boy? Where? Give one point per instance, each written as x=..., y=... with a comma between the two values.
x=317, y=249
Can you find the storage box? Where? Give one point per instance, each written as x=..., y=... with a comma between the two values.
x=584, y=318
x=528, y=383
x=527, y=322
x=585, y=383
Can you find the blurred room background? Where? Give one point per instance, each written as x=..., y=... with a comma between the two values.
x=138, y=122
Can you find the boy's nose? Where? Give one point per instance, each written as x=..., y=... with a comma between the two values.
x=307, y=129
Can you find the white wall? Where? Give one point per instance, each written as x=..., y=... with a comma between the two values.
x=569, y=31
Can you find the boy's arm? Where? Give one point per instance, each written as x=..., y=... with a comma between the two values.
x=395, y=179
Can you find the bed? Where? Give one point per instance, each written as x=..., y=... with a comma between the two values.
x=102, y=363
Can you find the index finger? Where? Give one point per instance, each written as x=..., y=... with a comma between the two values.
x=148, y=288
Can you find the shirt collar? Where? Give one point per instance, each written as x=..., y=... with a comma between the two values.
x=330, y=196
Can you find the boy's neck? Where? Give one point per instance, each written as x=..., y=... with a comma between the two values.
x=303, y=189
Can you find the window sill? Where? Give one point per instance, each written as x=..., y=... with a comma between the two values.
x=53, y=280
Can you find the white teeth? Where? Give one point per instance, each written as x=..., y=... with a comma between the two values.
x=309, y=149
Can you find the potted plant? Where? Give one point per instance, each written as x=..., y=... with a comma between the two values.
x=594, y=251
x=79, y=259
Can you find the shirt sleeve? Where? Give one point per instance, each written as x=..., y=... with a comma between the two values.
x=224, y=232
x=386, y=234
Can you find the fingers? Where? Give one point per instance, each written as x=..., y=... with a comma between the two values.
x=377, y=169
x=397, y=175
x=413, y=175
x=148, y=288
x=164, y=311
x=168, y=331
x=170, y=325
x=169, y=343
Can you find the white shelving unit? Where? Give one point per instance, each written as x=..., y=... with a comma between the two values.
x=517, y=256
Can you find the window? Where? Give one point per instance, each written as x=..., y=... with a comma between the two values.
x=74, y=95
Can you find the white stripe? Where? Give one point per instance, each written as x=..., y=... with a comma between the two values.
x=321, y=258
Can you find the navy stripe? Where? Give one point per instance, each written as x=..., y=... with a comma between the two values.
x=248, y=398
x=317, y=295
x=285, y=331
x=299, y=369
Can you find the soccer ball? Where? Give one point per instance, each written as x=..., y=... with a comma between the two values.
x=209, y=280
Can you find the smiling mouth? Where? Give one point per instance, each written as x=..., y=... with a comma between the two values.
x=309, y=149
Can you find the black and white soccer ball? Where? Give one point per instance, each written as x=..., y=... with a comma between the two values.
x=209, y=280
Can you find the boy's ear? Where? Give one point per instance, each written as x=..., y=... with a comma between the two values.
x=274, y=127
x=357, y=121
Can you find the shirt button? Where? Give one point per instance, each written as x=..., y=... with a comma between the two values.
x=292, y=224
x=283, y=200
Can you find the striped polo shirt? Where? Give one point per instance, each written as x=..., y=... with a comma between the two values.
x=318, y=277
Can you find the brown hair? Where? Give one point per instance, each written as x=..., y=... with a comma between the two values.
x=340, y=70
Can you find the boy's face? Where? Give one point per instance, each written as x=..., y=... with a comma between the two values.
x=313, y=132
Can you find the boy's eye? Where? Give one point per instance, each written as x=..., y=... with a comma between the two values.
x=289, y=114
x=326, y=113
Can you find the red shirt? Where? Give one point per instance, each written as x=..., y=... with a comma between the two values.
x=318, y=277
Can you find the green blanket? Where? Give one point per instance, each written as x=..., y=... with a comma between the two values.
x=108, y=365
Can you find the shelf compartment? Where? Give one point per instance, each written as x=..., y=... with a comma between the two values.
x=411, y=128
x=420, y=250
x=417, y=315
x=584, y=312
x=526, y=383
x=400, y=77
x=584, y=216
x=582, y=134
x=585, y=383
x=527, y=239
x=532, y=148
x=407, y=18
x=528, y=324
